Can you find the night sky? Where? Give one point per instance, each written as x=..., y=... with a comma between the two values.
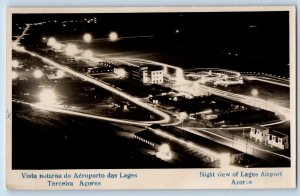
x=262, y=36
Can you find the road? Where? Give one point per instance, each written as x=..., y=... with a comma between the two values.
x=252, y=101
x=240, y=145
x=165, y=117
x=76, y=113
x=267, y=80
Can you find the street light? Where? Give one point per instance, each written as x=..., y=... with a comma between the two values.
x=164, y=152
x=47, y=97
x=71, y=49
x=87, y=37
x=38, y=73
x=88, y=54
x=57, y=46
x=51, y=41
x=254, y=92
x=113, y=36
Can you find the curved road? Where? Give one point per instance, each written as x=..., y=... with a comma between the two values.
x=166, y=117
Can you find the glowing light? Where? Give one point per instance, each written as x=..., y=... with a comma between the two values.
x=164, y=152
x=51, y=41
x=60, y=73
x=254, y=92
x=164, y=148
x=14, y=75
x=165, y=70
x=87, y=37
x=57, y=46
x=179, y=76
x=113, y=36
x=203, y=80
x=47, y=97
x=183, y=115
x=88, y=54
x=224, y=160
x=15, y=63
x=38, y=74
x=44, y=39
x=177, y=31
x=120, y=72
x=71, y=50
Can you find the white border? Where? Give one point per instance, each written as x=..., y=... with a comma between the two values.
x=161, y=178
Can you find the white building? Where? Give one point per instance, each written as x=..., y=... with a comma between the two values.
x=156, y=75
x=259, y=133
x=278, y=140
x=149, y=75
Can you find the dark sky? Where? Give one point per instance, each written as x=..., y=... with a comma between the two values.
x=262, y=35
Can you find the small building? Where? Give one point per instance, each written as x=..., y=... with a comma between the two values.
x=277, y=139
x=156, y=75
x=237, y=158
x=148, y=74
x=259, y=133
x=148, y=137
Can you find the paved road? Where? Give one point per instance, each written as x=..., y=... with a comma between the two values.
x=165, y=117
x=76, y=113
x=252, y=101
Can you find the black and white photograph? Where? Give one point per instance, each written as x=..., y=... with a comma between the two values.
x=151, y=90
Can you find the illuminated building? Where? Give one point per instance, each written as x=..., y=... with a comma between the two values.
x=148, y=74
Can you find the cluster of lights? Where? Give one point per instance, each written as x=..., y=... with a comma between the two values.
x=72, y=50
x=90, y=20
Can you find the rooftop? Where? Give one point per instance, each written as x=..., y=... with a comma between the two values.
x=278, y=134
x=258, y=127
x=155, y=68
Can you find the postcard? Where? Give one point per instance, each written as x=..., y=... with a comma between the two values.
x=151, y=98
